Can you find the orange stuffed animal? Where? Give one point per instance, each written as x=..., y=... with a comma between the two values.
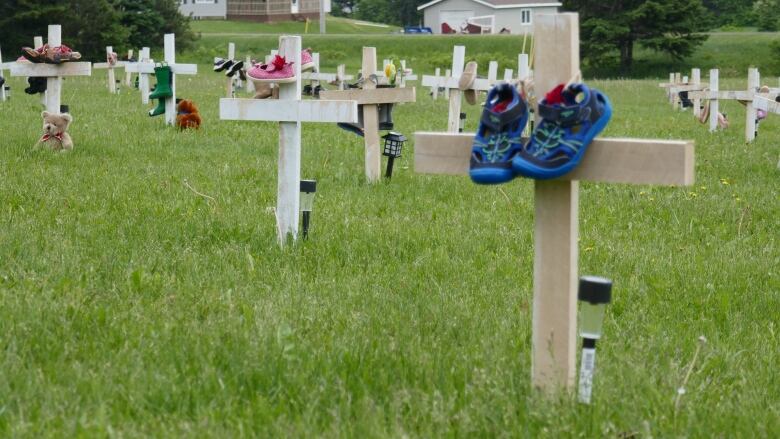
x=187, y=115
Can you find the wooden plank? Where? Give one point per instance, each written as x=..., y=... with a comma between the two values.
x=696, y=79
x=105, y=65
x=754, y=82
x=111, y=77
x=289, y=168
x=632, y=161
x=714, y=105
x=458, y=64
x=51, y=70
x=768, y=105
x=178, y=69
x=451, y=83
x=434, y=83
x=54, y=83
x=372, y=97
x=143, y=78
x=492, y=75
x=229, y=89
x=169, y=51
x=3, y=96
x=301, y=111
x=373, y=158
x=523, y=68
x=128, y=76
x=508, y=75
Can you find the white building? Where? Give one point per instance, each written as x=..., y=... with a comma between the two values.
x=516, y=16
x=199, y=9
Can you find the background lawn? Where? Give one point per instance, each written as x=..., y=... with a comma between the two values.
x=132, y=306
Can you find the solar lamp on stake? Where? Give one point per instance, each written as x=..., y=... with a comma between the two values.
x=394, y=145
x=308, y=189
x=594, y=294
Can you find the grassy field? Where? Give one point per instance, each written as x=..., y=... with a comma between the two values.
x=333, y=25
x=732, y=52
x=131, y=305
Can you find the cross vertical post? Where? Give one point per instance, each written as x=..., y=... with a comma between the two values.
x=289, y=171
x=111, y=77
x=754, y=82
x=250, y=86
x=373, y=162
x=714, y=105
x=435, y=87
x=696, y=80
x=3, y=96
x=492, y=72
x=170, y=58
x=555, y=223
x=128, y=75
x=54, y=83
x=144, y=66
x=230, y=90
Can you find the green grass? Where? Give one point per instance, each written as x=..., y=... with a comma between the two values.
x=132, y=306
x=732, y=53
x=333, y=25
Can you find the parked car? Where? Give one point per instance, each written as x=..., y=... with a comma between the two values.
x=417, y=30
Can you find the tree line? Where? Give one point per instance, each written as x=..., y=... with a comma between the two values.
x=88, y=26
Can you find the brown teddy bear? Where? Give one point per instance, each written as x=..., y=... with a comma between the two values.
x=55, y=131
x=187, y=115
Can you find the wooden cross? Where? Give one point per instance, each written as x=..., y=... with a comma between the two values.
x=674, y=80
x=176, y=69
x=290, y=111
x=557, y=201
x=370, y=98
x=52, y=72
x=673, y=89
x=450, y=85
x=142, y=67
x=402, y=76
x=3, y=94
x=250, y=86
x=110, y=67
x=748, y=96
x=768, y=105
x=128, y=75
x=318, y=75
x=231, y=81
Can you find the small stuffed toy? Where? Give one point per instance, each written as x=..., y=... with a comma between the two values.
x=55, y=131
x=187, y=115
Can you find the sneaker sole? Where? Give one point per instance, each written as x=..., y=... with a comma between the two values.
x=491, y=176
x=272, y=81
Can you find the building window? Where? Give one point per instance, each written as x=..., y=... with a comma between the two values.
x=205, y=2
x=525, y=16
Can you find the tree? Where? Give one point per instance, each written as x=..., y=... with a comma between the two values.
x=88, y=26
x=731, y=12
x=610, y=29
x=768, y=15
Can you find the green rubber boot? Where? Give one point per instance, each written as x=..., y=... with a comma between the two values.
x=164, y=81
x=159, y=109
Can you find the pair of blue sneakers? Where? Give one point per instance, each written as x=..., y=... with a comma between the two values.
x=571, y=117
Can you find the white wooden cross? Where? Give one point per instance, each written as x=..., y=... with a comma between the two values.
x=176, y=69
x=142, y=67
x=450, y=84
x=250, y=86
x=110, y=67
x=318, y=75
x=290, y=111
x=555, y=271
x=748, y=96
x=402, y=76
x=3, y=95
x=768, y=105
x=370, y=98
x=230, y=90
x=52, y=72
x=673, y=90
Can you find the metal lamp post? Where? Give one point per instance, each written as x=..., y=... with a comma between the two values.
x=594, y=294
x=308, y=189
x=394, y=144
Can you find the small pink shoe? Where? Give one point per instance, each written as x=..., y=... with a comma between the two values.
x=307, y=62
x=277, y=71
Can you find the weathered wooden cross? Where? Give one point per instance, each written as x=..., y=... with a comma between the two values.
x=673, y=90
x=557, y=201
x=3, y=66
x=674, y=80
x=176, y=69
x=142, y=67
x=318, y=75
x=450, y=84
x=290, y=111
x=52, y=72
x=233, y=81
x=747, y=96
x=110, y=67
x=370, y=98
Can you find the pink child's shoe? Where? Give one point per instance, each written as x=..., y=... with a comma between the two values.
x=277, y=71
x=307, y=62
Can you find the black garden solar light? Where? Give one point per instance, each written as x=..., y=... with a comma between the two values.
x=594, y=295
x=394, y=144
x=308, y=188
x=462, y=122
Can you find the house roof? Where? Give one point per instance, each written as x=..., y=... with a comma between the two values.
x=502, y=4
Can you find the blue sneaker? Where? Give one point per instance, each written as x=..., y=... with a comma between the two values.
x=498, y=139
x=571, y=119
